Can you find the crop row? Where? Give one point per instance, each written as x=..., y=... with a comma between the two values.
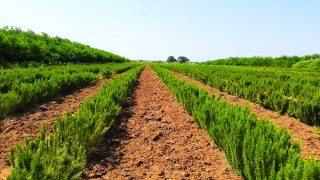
x=63, y=154
x=256, y=149
x=19, y=88
x=290, y=92
x=29, y=75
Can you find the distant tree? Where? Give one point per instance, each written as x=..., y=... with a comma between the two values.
x=183, y=59
x=171, y=59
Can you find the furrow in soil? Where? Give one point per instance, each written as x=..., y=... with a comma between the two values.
x=15, y=127
x=310, y=142
x=155, y=138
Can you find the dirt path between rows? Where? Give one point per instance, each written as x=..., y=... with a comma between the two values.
x=155, y=138
x=14, y=128
x=310, y=142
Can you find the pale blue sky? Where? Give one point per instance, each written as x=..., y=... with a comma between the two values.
x=156, y=29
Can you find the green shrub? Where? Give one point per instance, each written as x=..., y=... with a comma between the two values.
x=64, y=153
x=256, y=149
x=312, y=65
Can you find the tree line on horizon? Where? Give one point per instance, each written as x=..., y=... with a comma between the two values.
x=18, y=46
x=268, y=61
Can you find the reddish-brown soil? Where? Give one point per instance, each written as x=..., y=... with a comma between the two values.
x=155, y=138
x=310, y=142
x=14, y=128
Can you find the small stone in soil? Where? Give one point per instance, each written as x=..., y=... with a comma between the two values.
x=157, y=137
x=161, y=173
x=139, y=163
x=43, y=109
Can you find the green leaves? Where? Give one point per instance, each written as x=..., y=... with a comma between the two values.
x=283, y=90
x=17, y=46
x=256, y=149
x=283, y=61
x=24, y=87
x=63, y=154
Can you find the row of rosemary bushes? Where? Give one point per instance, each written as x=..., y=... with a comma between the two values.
x=256, y=149
x=286, y=91
x=63, y=154
x=22, y=87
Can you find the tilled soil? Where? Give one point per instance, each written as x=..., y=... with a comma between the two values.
x=310, y=142
x=155, y=138
x=14, y=128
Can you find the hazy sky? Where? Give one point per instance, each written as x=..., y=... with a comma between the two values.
x=156, y=29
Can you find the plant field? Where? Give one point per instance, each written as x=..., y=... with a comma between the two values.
x=134, y=127
x=285, y=91
x=306, y=134
x=19, y=88
x=74, y=136
x=154, y=138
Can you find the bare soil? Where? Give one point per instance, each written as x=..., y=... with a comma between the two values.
x=310, y=142
x=14, y=128
x=155, y=138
